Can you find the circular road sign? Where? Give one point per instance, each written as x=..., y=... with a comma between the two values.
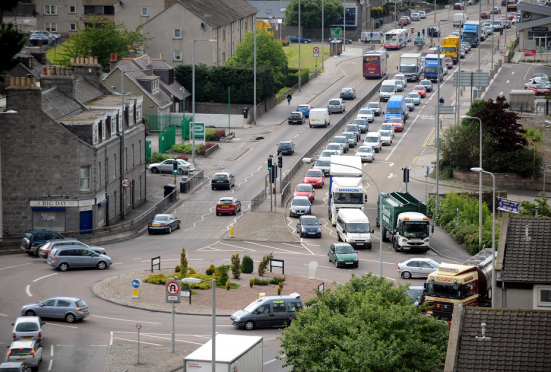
x=136, y=283
x=126, y=182
x=138, y=326
x=173, y=288
x=316, y=50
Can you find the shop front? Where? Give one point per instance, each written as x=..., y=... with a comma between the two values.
x=534, y=27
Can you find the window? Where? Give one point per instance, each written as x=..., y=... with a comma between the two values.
x=85, y=178
x=106, y=169
x=92, y=9
x=99, y=174
x=145, y=12
x=50, y=9
x=154, y=86
x=115, y=202
x=73, y=27
x=177, y=33
x=52, y=27
x=48, y=303
x=63, y=303
x=294, y=306
x=72, y=8
x=140, y=150
x=132, y=155
x=109, y=10
x=178, y=55
x=543, y=296
x=139, y=112
x=279, y=306
x=115, y=166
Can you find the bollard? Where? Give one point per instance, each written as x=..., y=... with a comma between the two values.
x=231, y=232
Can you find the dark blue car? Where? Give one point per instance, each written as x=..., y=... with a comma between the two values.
x=308, y=227
x=294, y=39
x=286, y=147
x=305, y=109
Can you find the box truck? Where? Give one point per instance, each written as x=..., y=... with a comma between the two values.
x=450, y=48
x=410, y=66
x=432, y=66
x=470, y=33
x=345, y=185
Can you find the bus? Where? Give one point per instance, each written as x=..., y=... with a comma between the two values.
x=396, y=39
x=374, y=64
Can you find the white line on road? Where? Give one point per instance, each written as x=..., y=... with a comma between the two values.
x=267, y=246
x=36, y=280
x=29, y=290
x=273, y=360
x=235, y=246
x=512, y=73
x=124, y=320
x=500, y=93
x=142, y=342
x=325, y=267
x=168, y=338
x=50, y=366
x=391, y=175
x=3, y=315
x=60, y=325
x=507, y=82
x=117, y=263
x=9, y=267
x=307, y=248
x=52, y=352
x=103, y=345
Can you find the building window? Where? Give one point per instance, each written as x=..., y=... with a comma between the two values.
x=268, y=11
x=224, y=35
x=92, y=9
x=72, y=8
x=138, y=112
x=85, y=178
x=103, y=130
x=115, y=166
x=99, y=174
x=543, y=296
x=132, y=155
x=109, y=10
x=95, y=137
x=145, y=12
x=52, y=27
x=50, y=9
x=177, y=33
x=73, y=27
x=154, y=86
x=178, y=55
x=140, y=150
x=106, y=169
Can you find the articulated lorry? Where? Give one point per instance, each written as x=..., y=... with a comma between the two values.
x=470, y=33
x=450, y=48
x=468, y=284
x=410, y=66
x=345, y=185
x=432, y=66
x=404, y=222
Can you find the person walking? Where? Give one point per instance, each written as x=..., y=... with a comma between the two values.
x=441, y=101
x=289, y=98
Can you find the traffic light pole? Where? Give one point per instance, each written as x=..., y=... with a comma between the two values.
x=273, y=191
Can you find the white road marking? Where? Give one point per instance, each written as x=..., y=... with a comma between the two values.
x=142, y=342
x=512, y=73
x=52, y=351
x=267, y=246
x=270, y=361
x=36, y=280
x=307, y=248
x=202, y=219
x=103, y=345
x=168, y=338
x=117, y=263
x=235, y=246
x=61, y=325
x=315, y=245
x=65, y=345
x=124, y=320
x=507, y=82
x=500, y=93
x=325, y=267
x=391, y=175
x=3, y=314
x=9, y=267
x=29, y=290
x=50, y=366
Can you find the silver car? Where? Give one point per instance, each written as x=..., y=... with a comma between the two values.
x=69, y=308
x=44, y=250
x=336, y=105
x=167, y=167
x=387, y=126
x=366, y=153
x=341, y=140
x=375, y=107
x=15, y=367
x=335, y=147
x=326, y=155
x=386, y=137
x=28, y=351
x=417, y=267
x=352, y=138
x=67, y=256
x=28, y=328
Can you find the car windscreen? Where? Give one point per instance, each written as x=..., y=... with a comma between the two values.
x=365, y=112
x=365, y=149
x=327, y=154
x=225, y=201
x=220, y=176
x=359, y=121
x=395, y=120
x=358, y=227
x=27, y=327
x=334, y=147
x=344, y=249
x=303, y=107
x=384, y=133
x=408, y=68
x=348, y=198
x=419, y=87
x=323, y=164
x=295, y=115
x=300, y=202
x=387, y=126
x=284, y=144
x=409, y=100
x=349, y=135
x=161, y=218
x=413, y=95
x=334, y=102
x=252, y=306
x=310, y=222
x=303, y=188
x=387, y=88
x=339, y=140
x=347, y=90
x=371, y=139
x=415, y=293
x=393, y=110
x=373, y=105
x=81, y=303
x=313, y=174
x=351, y=128
x=416, y=229
x=20, y=351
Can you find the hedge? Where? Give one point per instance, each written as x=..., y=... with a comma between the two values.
x=292, y=77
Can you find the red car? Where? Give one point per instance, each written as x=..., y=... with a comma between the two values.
x=398, y=124
x=315, y=177
x=305, y=189
x=539, y=89
x=511, y=15
x=421, y=90
x=403, y=21
x=484, y=15
x=503, y=18
x=228, y=205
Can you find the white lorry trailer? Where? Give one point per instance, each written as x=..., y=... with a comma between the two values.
x=410, y=66
x=345, y=185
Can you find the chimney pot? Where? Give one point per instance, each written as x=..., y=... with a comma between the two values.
x=23, y=82
x=44, y=70
x=72, y=61
x=34, y=82
x=162, y=59
x=17, y=81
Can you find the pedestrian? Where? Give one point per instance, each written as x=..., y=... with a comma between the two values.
x=289, y=98
x=470, y=2
x=441, y=103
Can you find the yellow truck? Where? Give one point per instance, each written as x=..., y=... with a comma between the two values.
x=450, y=47
x=263, y=25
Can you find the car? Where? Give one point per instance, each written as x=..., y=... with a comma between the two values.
x=296, y=117
x=409, y=104
x=366, y=153
x=315, y=177
x=336, y=105
x=399, y=85
x=462, y=52
x=305, y=109
x=415, y=17
x=308, y=226
x=55, y=36
x=300, y=205
x=540, y=75
x=386, y=137
x=365, y=113
x=489, y=29
x=28, y=328
x=343, y=141
x=340, y=38
x=455, y=33
x=335, y=147
x=294, y=39
x=515, y=20
x=449, y=63
x=38, y=38
x=352, y=138
x=417, y=267
x=458, y=6
x=484, y=15
x=228, y=205
x=387, y=126
x=373, y=139
x=325, y=166
x=343, y=255
x=222, y=180
x=69, y=308
x=15, y=367
x=416, y=97
x=362, y=124
x=511, y=15
x=163, y=223
x=421, y=90
x=507, y=24
x=495, y=10
x=403, y=21
x=167, y=166
x=488, y=22
x=286, y=147
x=70, y=256
x=375, y=107
x=402, y=78
x=27, y=351
x=354, y=129
x=416, y=293
x=539, y=89
x=435, y=49
x=467, y=46
x=422, y=14
x=348, y=93
x=47, y=247
x=427, y=84
x=33, y=239
x=538, y=80
x=260, y=313
x=305, y=189
x=398, y=124
x=326, y=155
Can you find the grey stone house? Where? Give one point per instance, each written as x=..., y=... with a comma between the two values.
x=61, y=157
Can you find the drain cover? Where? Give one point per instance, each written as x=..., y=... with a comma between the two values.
x=256, y=138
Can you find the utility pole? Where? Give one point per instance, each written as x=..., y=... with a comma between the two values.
x=123, y=152
x=322, y=30
x=438, y=136
x=254, y=111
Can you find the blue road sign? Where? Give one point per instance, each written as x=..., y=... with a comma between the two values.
x=136, y=283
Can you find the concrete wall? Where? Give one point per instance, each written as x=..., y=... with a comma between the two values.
x=219, y=120
x=131, y=12
x=515, y=298
x=522, y=100
x=503, y=180
x=236, y=109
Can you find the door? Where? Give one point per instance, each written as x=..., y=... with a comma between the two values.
x=85, y=222
x=166, y=166
x=263, y=315
x=540, y=43
x=88, y=258
x=61, y=308
x=425, y=269
x=73, y=257
x=332, y=249
x=413, y=268
x=281, y=316
x=46, y=309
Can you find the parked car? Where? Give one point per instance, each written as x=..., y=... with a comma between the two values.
x=538, y=80
x=308, y=226
x=47, y=247
x=375, y=107
x=163, y=223
x=69, y=308
x=228, y=205
x=343, y=255
x=336, y=105
x=15, y=367
x=295, y=117
x=315, y=177
x=366, y=114
x=27, y=351
x=427, y=84
x=362, y=124
x=167, y=166
x=539, y=89
x=409, y=104
x=348, y=93
x=305, y=189
x=416, y=97
x=421, y=90
x=305, y=109
x=417, y=267
x=286, y=147
x=340, y=38
x=366, y=153
x=33, y=239
x=40, y=37
x=398, y=123
x=28, y=328
x=300, y=205
x=294, y=39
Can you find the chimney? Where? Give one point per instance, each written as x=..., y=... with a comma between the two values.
x=113, y=62
x=132, y=52
x=162, y=57
x=149, y=66
x=90, y=68
x=169, y=3
x=23, y=96
x=56, y=76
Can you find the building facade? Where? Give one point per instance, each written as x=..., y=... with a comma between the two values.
x=134, y=13
x=534, y=27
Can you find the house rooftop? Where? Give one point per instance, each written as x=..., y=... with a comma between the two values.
x=58, y=104
x=114, y=100
x=90, y=115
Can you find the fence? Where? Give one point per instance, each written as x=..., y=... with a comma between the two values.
x=160, y=123
x=167, y=139
x=147, y=151
x=160, y=207
x=193, y=181
x=258, y=199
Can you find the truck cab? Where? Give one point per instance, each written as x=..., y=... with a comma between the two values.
x=470, y=33
x=433, y=63
x=345, y=185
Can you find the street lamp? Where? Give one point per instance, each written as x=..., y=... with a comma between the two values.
x=309, y=160
x=480, y=170
x=480, y=180
x=192, y=134
x=213, y=283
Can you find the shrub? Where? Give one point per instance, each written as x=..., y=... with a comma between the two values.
x=235, y=266
x=201, y=286
x=247, y=265
x=310, y=302
x=177, y=269
x=216, y=273
x=279, y=288
x=277, y=280
x=183, y=157
x=158, y=157
x=202, y=277
x=258, y=281
x=285, y=42
x=222, y=279
x=251, y=282
x=191, y=271
x=228, y=284
x=263, y=265
x=156, y=279
x=184, y=267
x=210, y=270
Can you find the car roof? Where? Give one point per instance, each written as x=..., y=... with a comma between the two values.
x=315, y=169
x=11, y=364
x=22, y=343
x=426, y=259
x=285, y=297
x=26, y=319
x=304, y=184
x=68, y=246
x=162, y=215
x=304, y=105
x=301, y=198
x=342, y=245
x=417, y=287
x=297, y=112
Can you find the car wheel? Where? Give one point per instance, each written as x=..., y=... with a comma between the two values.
x=70, y=318
x=406, y=275
x=170, y=229
x=63, y=267
x=102, y=265
x=154, y=170
x=249, y=325
x=30, y=313
x=336, y=264
x=395, y=245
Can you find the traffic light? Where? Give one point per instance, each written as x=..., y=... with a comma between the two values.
x=280, y=161
x=175, y=166
x=418, y=34
x=273, y=174
x=423, y=32
x=270, y=163
x=371, y=35
x=406, y=174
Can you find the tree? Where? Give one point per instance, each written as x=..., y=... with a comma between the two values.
x=310, y=13
x=101, y=37
x=7, y=5
x=11, y=43
x=184, y=265
x=367, y=325
x=235, y=266
x=269, y=53
x=529, y=209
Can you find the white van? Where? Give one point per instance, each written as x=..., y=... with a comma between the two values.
x=319, y=117
x=371, y=36
x=353, y=228
x=388, y=88
x=459, y=19
x=373, y=139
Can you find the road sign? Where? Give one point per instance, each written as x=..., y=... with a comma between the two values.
x=471, y=79
x=136, y=283
x=336, y=32
x=172, y=291
x=447, y=109
x=136, y=291
x=126, y=182
x=529, y=52
x=138, y=326
x=316, y=51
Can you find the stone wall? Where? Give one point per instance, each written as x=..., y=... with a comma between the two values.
x=503, y=180
x=236, y=109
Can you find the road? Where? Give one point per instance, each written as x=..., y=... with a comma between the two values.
x=83, y=346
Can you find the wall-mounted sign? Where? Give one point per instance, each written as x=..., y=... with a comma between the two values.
x=540, y=28
x=529, y=52
x=526, y=16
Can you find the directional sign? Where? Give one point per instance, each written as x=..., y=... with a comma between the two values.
x=136, y=283
x=471, y=79
x=336, y=32
x=172, y=291
x=447, y=109
x=126, y=183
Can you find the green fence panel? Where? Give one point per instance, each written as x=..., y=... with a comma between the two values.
x=167, y=139
x=159, y=123
x=147, y=151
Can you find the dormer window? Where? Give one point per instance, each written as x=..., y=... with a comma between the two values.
x=154, y=86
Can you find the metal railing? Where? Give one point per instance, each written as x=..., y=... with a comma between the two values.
x=258, y=199
x=193, y=181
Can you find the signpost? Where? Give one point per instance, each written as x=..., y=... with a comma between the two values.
x=336, y=32
x=186, y=293
x=126, y=183
x=156, y=261
x=508, y=205
x=316, y=54
x=197, y=131
x=173, y=296
x=138, y=327
x=136, y=291
x=529, y=52
x=476, y=79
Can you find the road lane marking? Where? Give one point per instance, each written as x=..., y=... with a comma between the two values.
x=402, y=138
x=168, y=338
x=9, y=267
x=267, y=246
x=507, y=82
x=29, y=290
x=307, y=248
x=50, y=366
x=52, y=351
x=512, y=73
x=413, y=162
x=124, y=320
x=103, y=345
x=111, y=341
x=500, y=93
x=61, y=325
x=428, y=137
x=3, y=314
x=36, y=280
x=235, y=246
x=270, y=361
x=391, y=175
x=142, y=342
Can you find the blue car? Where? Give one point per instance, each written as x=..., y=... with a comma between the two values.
x=415, y=97
x=304, y=109
x=294, y=39
x=409, y=104
x=308, y=227
x=286, y=147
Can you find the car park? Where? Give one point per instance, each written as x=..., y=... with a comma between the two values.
x=33, y=239
x=422, y=14
x=167, y=166
x=375, y=107
x=27, y=351
x=262, y=312
x=352, y=138
x=416, y=293
x=28, y=328
x=354, y=129
x=365, y=113
x=539, y=89
x=300, y=205
x=362, y=124
x=416, y=97
x=373, y=139
x=222, y=180
x=427, y=84
x=398, y=124
x=387, y=126
x=296, y=118
x=410, y=105
x=163, y=223
x=314, y=177
x=295, y=39
x=336, y=105
x=305, y=109
x=343, y=141
x=69, y=308
x=325, y=166
x=417, y=267
x=348, y=93
x=228, y=205
x=286, y=147
x=386, y=137
x=66, y=257
x=15, y=367
x=366, y=153
x=415, y=17
x=305, y=189
x=335, y=147
x=342, y=254
x=421, y=90
x=47, y=247
x=308, y=227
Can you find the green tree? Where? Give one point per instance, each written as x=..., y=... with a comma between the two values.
x=269, y=53
x=367, y=325
x=310, y=13
x=184, y=264
x=102, y=37
x=11, y=42
x=529, y=208
x=7, y=5
x=235, y=266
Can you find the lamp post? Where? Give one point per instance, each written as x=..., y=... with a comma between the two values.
x=192, y=134
x=299, y=42
x=1, y=210
x=480, y=170
x=343, y=25
x=480, y=181
x=322, y=29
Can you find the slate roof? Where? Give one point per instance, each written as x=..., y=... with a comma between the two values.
x=528, y=261
x=159, y=96
x=520, y=340
x=222, y=12
x=86, y=91
x=34, y=52
x=272, y=6
x=59, y=105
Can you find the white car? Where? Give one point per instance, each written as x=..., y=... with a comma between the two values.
x=366, y=153
x=386, y=137
x=167, y=167
x=366, y=114
x=401, y=77
x=387, y=126
x=415, y=17
x=422, y=14
x=335, y=147
x=326, y=155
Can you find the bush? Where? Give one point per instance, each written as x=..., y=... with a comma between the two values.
x=247, y=265
x=277, y=280
x=157, y=279
x=222, y=279
x=263, y=265
x=201, y=286
x=235, y=266
x=258, y=281
x=285, y=42
x=184, y=266
x=177, y=269
x=279, y=288
x=202, y=277
x=228, y=285
x=191, y=271
x=251, y=282
x=292, y=77
x=210, y=270
x=158, y=157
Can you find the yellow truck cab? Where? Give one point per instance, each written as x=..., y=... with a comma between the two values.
x=263, y=25
x=450, y=47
